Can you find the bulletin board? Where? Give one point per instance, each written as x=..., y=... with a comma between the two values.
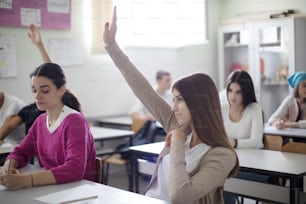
x=48, y=14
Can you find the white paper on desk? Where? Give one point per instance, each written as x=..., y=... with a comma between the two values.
x=71, y=194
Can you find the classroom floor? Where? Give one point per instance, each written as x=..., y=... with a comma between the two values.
x=118, y=178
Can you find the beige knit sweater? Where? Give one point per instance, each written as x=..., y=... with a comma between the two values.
x=205, y=183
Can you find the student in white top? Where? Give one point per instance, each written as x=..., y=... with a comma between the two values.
x=292, y=112
x=139, y=114
x=243, y=120
x=9, y=107
x=163, y=80
x=242, y=115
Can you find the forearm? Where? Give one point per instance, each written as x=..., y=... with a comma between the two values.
x=8, y=126
x=43, y=178
x=43, y=52
x=142, y=88
x=293, y=125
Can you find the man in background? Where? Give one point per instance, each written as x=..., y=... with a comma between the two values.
x=139, y=113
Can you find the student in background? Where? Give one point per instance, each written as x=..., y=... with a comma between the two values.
x=139, y=113
x=9, y=106
x=29, y=113
x=243, y=120
x=292, y=111
x=242, y=112
x=197, y=157
x=60, y=138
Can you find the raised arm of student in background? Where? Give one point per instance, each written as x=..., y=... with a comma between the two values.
x=35, y=37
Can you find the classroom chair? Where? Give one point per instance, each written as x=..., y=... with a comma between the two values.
x=273, y=142
x=295, y=147
x=146, y=134
x=99, y=173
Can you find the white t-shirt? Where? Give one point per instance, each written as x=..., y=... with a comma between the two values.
x=140, y=108
x=249, y=129
x=192, y=156
x=11, y=106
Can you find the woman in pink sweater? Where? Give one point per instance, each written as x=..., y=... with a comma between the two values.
x=60, y=138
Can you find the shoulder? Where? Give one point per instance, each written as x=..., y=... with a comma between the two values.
x=13, y=99
x=224, y=106
x=75, y=117
x=289, y=99
x=29, y=107
x=222, y=153
x=254, y=107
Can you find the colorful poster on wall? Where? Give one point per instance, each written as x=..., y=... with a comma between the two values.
x=8, y=66
x=48, y=14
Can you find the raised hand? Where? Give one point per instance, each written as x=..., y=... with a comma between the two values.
x=110, y=30
x=34, y=34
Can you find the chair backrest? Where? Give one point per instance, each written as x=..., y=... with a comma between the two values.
x=273, y=142
x=137, y=124
x=295, y=147
x=99, y=163
x=146, y=134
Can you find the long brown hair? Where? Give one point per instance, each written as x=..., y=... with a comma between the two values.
x=201, y=96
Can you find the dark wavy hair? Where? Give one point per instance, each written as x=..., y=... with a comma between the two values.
x=202, y=99
x=56, y=74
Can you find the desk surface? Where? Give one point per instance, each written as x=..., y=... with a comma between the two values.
x=6, y=147
x=119, y=120
x=102, y=133
x=259, y=159
x=286, y=132
x=70, y=191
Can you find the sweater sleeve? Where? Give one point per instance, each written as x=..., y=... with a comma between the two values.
x=256, y=131
x=282, y=112
x=157, y=106
x=217, y=164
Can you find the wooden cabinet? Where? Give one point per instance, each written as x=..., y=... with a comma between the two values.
x=270, y=50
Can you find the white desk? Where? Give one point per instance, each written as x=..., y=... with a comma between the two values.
x=80, y=189
x=286, y=132
x=117, y=121
x=284, y=164
x=6, y=147
x=103, y=133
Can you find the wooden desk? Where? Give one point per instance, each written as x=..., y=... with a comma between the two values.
x=75, y=190
x=273, y=163
x=286, y=132
x=6, y=147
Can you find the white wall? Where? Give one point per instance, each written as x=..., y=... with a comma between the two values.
x=98, y=83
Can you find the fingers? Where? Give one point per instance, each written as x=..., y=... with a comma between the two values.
x=114, y=20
